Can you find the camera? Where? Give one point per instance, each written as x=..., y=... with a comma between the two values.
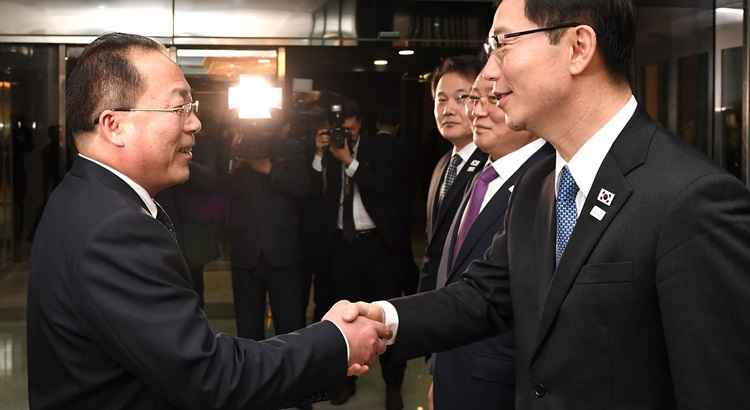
x=339, y=134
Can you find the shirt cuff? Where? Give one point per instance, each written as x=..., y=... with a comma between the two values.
x=391, y=319
x=317, y=163
x=344, y=336
x=352, y=168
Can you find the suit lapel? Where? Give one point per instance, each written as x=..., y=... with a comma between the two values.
x=432, y=195
x=493, y=215
x=628, y=151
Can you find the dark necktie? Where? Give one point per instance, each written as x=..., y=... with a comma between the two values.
x=163, y=217
x=565, y=212
x=347, y=217
x=450, y=176
x=478, y=192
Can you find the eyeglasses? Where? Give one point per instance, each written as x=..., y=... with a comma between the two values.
x=186, y=108
x=471, y=101
x=496, y=42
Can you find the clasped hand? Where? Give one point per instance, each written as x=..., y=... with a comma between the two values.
x=363, y=327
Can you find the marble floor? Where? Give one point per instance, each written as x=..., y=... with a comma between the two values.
x=13, y=384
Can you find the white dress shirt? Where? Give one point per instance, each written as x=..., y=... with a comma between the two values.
x=583, y=167
x=505, y=167
x=465, y=153
x=362, y=219
x=142, y=193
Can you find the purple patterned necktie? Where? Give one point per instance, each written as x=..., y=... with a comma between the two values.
x=475, y=204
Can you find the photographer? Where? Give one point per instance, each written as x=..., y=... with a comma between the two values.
x=361, y=188
x=267, y=184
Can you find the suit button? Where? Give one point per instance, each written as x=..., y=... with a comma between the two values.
x=539, y=391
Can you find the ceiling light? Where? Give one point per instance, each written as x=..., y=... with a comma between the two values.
x=380, y=62
x=405, y=52
x=264, y=61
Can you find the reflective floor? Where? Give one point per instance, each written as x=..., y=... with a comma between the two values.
x=13, y=392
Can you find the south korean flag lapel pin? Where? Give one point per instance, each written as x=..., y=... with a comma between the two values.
x=605, y=197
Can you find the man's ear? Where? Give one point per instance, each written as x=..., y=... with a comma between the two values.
x=111, y=127
x=583, y=48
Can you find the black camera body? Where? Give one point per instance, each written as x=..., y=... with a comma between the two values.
x=339, y=134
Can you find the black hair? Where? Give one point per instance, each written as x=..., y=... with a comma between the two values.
x=104, y=78
x=466, y=66
x=612, y=20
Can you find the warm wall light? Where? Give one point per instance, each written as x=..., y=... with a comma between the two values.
x=380, y=62
x=405, y=52
x=254, y=97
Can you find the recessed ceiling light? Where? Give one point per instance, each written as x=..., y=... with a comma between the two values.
x=380, y=62
x=406, y=52
x=264, y=61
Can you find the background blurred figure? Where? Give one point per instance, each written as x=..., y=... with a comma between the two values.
x=361, y=190
x=23, y=143
x=198, y=207
x=269, y=181
x=387, y=126
x=317, y=231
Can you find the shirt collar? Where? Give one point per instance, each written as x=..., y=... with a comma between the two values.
x=507, y=165
x=142, y=193
x=586, y=162
x=466, y=152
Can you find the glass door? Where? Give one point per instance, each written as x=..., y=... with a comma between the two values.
x=6, y=177
x=729, y=76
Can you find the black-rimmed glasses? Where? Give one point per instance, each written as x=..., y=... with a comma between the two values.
x=497, y=41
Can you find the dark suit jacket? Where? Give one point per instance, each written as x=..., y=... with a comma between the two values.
x=478, y=375
x=265, y=209
x=439, y=217
x=378, y=187
x=113, y=321
x=647, y=309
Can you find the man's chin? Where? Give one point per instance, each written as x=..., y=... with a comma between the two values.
x=514, y=125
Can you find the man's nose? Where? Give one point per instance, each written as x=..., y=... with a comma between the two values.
x=193, y=123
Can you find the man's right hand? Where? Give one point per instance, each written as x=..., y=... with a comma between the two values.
x=322, y=140
x=366, y=337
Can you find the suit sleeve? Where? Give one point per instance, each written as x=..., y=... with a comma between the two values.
x=703, y=285
x=135, y=295
x=468, y=310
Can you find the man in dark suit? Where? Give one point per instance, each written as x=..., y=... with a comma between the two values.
x=451, y=82
x=316, y=231
x=198, y=212
x=623, y=267
x=113, y=320
x=361, y=189
x=480, y=375
x=388, y=128
x=266, y=193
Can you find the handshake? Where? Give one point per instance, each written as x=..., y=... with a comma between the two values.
x=363, y=326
